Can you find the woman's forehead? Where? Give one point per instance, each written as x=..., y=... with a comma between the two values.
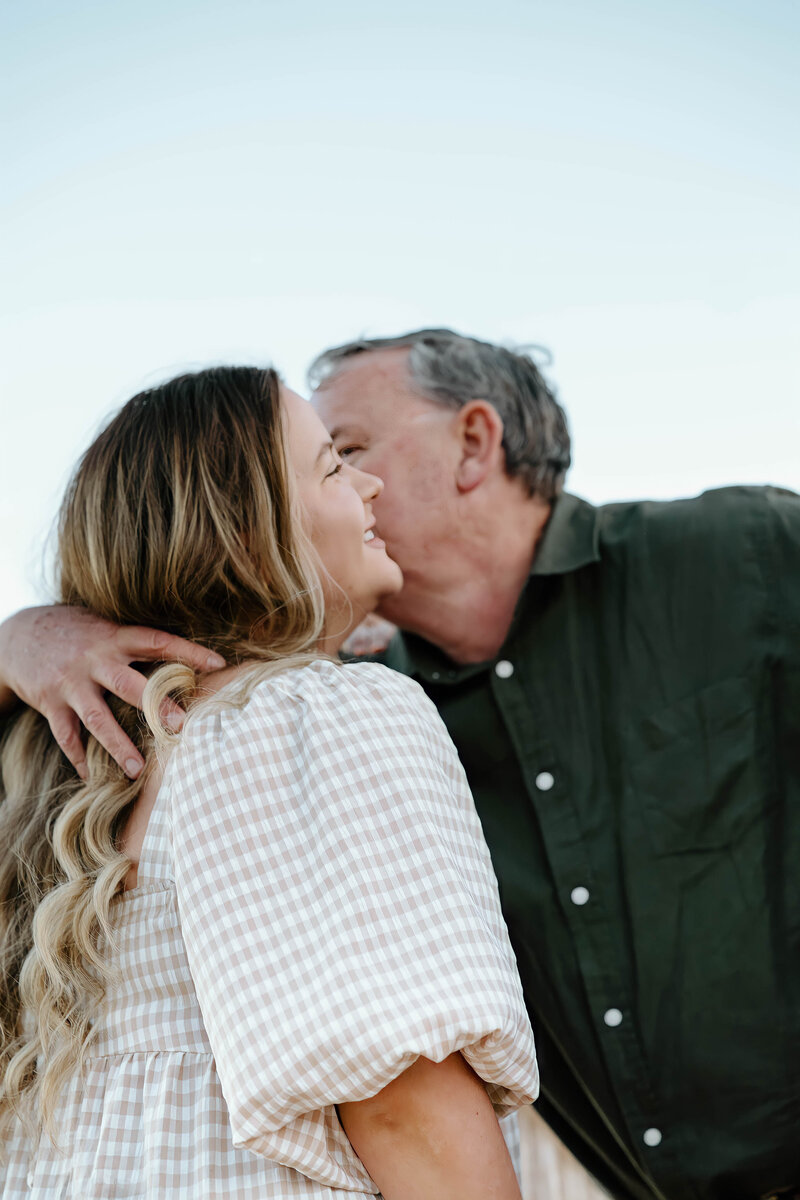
x=306, y=435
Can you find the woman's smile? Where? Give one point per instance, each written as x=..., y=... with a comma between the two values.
x=337, y=503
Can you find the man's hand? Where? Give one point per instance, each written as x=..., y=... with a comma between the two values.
x=62, y=660
x=372, y=636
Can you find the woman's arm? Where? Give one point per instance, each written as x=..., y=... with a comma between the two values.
x=61, y=661
x=432, y=1134
x=377, y=949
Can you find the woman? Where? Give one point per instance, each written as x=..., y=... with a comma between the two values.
x=273, y=966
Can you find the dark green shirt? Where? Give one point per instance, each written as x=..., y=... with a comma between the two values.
x=634, y=752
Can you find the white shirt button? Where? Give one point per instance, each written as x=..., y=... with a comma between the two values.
x=544, y=781
x=504, y=669
x=613, y=1017
x=652, y=1137
x=579, y=895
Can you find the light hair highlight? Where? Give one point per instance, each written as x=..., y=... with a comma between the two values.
x=182, y=515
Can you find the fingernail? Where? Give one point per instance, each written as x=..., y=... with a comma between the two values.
x=215, y=662
x=133, y=767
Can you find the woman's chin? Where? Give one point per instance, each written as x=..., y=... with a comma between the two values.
x=395, y=578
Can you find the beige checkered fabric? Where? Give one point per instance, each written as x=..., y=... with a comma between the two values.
x=316, y=908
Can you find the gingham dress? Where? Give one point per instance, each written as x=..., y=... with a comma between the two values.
x=315, y=909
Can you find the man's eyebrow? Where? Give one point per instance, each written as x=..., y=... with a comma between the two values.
x=345, y=430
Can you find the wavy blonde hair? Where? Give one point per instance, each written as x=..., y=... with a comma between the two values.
x=181, y=515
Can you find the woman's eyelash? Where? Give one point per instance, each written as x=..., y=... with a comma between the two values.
x=335, y=470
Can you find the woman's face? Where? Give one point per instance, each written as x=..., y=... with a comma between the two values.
x=337, y=500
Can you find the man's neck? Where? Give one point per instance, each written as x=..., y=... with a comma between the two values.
x=466, y=608
x=490, y=609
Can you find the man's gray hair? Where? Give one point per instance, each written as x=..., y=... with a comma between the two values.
x=450, y=369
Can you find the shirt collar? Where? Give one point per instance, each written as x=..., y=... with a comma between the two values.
x=571, y=537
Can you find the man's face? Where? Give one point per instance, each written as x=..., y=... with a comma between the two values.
x=380, y=424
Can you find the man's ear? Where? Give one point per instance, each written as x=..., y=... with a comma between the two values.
x=480, y=431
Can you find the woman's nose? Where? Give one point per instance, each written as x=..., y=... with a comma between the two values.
x=369, y=487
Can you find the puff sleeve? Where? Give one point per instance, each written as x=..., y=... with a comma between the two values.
x=339, y=909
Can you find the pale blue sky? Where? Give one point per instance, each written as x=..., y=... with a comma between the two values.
x=188, y=183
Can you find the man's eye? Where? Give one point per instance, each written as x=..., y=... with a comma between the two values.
x=346, y=451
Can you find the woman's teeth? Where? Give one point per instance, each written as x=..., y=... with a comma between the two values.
x=369, y=535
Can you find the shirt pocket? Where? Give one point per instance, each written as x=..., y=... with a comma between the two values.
x=693, y=773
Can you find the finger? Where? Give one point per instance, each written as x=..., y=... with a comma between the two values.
x=129, y=685
x=65, y=728
x=153, y=645
x=122, y=681
x=99, y=721
x=172, y=715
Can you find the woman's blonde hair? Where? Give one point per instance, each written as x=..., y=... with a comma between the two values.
x=181, y=515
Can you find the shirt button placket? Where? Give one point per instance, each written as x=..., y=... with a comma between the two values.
x=545, y=781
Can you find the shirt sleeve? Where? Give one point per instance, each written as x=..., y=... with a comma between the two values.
x=779, y=546
x=339, y=909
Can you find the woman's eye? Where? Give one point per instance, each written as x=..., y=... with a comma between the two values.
x=335, y=470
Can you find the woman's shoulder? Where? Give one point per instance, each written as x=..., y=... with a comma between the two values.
x=326, y=682
x=312, y=698
x=335, y=724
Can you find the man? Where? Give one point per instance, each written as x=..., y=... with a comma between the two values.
x=623, y=685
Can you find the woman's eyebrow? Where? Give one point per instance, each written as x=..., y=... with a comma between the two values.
x=324, y=449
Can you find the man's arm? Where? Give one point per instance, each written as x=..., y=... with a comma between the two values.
x=781, y=555
x=61, y=661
